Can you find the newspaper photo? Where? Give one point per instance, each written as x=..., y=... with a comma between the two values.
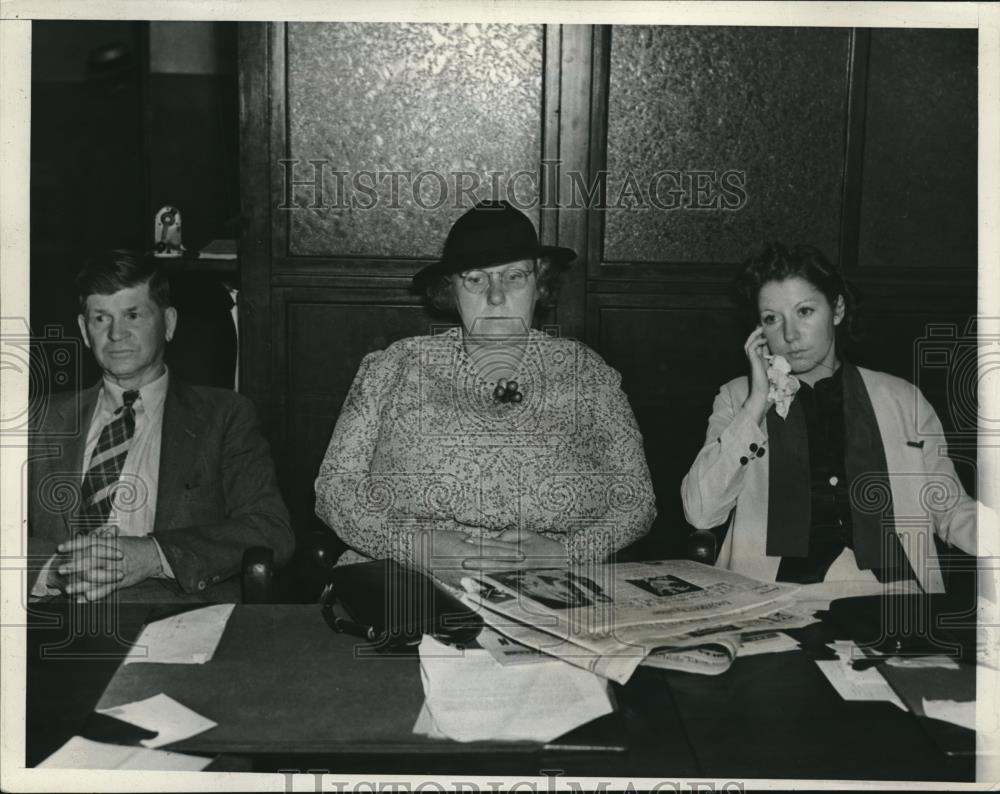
x=618, y=616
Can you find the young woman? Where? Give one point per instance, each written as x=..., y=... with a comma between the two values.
x=850, y=478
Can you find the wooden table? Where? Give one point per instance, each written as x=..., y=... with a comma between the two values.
x=290, y=694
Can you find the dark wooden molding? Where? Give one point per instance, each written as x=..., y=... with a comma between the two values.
x=255, y=233
x=600, y=72
x=854, y=147
x=341, y=290
x=340, y=280
x=373, y=267
x=145, y=93
x=575, y=87
x=280, y=221
x=551, y=112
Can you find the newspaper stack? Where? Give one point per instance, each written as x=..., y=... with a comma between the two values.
x=609, y=619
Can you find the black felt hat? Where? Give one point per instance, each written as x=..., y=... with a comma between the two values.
x=491, y=233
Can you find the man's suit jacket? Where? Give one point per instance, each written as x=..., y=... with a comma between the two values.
x=927, y=495
x=217, y=493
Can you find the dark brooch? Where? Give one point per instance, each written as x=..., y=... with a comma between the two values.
x=506, y=391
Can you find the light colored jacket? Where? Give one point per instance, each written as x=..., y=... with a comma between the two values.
x=927, y=495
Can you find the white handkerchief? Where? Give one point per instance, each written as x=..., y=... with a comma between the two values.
x=161, y=713
x=782, y=384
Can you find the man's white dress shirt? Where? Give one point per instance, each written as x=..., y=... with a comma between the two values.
x=133, y=509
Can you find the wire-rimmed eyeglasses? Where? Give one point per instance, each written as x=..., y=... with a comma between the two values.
x=513, y=278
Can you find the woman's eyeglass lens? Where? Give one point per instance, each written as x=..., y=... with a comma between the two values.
x=476, y=281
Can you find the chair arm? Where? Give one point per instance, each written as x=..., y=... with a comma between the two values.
x=318, y=555
x=702, y=546
x=258, y=575
x=322, y=550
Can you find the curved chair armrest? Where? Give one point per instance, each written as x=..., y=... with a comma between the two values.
x=702, y=546
x=258, y=575
x=322, y=550
x=315, y=558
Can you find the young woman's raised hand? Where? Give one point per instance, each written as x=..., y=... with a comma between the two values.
x=756, y=348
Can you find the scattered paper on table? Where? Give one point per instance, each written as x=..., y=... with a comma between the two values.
x=923, y=662
x=187, y=638
x=711, y=659
x=848, y=651
x=161, y=713
x=507, y=651
x=858, y=684
x=756, y=642
x=961, y=713
x=425, y=724
x=80, y=753
x=469, y=696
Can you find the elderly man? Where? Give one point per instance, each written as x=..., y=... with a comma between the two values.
x=142, y=483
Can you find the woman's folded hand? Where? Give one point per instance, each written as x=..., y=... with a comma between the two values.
x=519, y=548
x=462, y=552
x=457, y=553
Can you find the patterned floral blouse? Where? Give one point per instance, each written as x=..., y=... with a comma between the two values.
x=421, y=443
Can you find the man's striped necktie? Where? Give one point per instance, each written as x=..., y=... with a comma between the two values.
x=106, y=464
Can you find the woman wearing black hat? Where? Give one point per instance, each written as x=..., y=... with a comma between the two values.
x=490, y=445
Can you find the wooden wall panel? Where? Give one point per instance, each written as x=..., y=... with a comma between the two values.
x=702, y=160
x=918, y=205
x=368, y=101
x=673, y=353
x=322, y=335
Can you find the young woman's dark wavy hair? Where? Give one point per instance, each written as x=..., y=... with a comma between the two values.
x=777, y=262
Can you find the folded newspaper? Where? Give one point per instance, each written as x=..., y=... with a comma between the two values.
x=609, y=619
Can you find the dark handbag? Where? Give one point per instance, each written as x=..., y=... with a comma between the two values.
x=909, y=625
x=393, y=606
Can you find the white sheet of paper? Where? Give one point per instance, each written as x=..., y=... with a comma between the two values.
x=80, y=753
x=769, y=642
x=472, y=697
x=815, y=597
x=161, y=713
x=425, y=724
x=188, y=638
x=848, y=652
x=507, y=651
x=922, y=662
x=858, y=684
x=961, y=713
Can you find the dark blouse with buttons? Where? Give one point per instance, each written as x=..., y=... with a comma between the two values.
x=832, y=526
